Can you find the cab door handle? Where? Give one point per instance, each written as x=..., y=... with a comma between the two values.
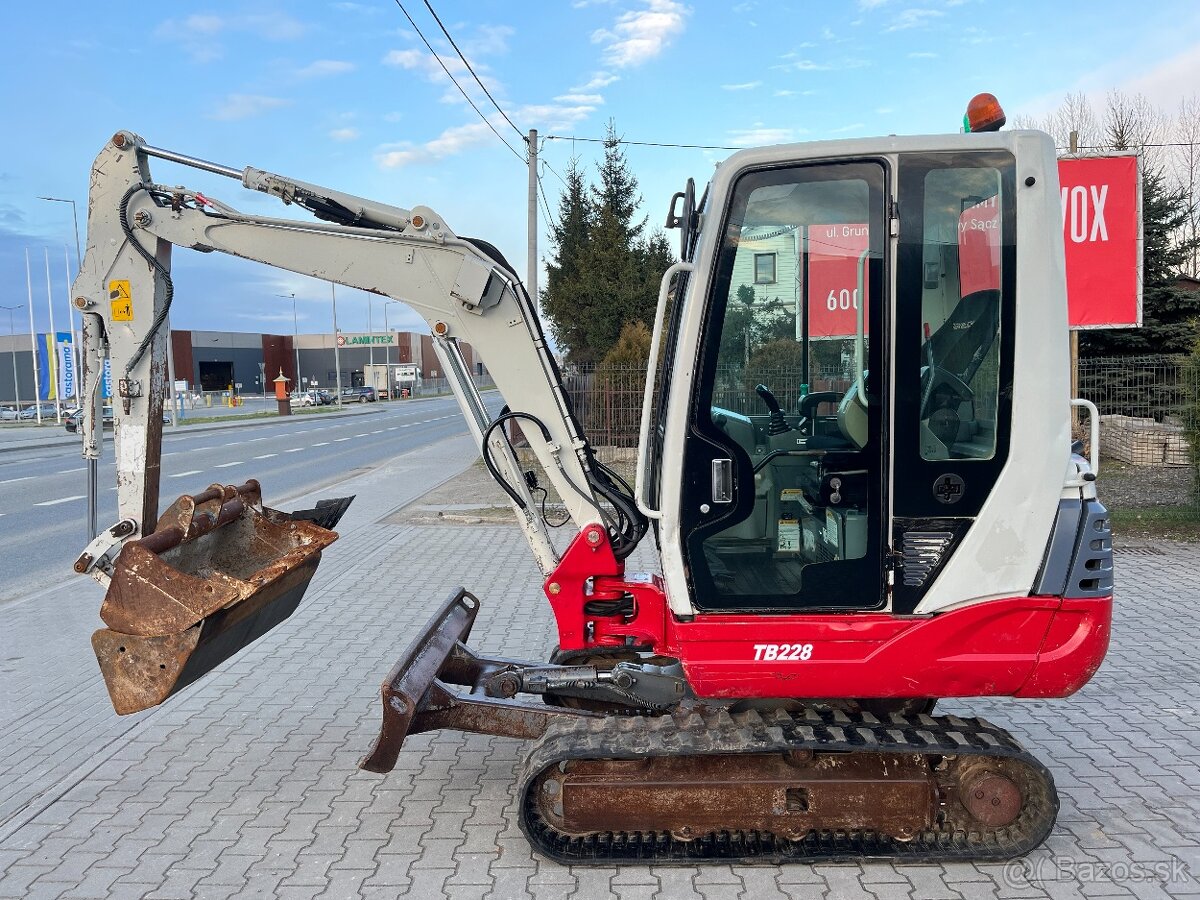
x=722, y=481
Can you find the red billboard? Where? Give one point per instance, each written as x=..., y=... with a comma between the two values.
x=979, y=248
x=833, y=252
x=1102, y=235
x=1101, y=210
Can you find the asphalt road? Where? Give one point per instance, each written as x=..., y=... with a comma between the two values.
x=43, y=492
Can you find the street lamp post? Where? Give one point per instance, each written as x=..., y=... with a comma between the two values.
x=13, y=338
x=295, y=335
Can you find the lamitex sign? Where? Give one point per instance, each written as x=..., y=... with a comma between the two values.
x=1102, y=237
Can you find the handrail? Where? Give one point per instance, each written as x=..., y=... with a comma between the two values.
x=643, y=477
x=860, y=302
x=1093, y=432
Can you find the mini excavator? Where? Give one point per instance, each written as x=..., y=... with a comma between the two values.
x=891, y=513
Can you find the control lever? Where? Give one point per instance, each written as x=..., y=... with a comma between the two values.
x=777, y=424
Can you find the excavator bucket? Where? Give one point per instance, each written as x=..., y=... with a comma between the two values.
x=218, y=572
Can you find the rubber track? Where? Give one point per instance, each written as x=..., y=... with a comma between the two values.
x=707, y=731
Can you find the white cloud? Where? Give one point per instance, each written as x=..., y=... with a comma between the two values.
x=344, y=134
x=914, y=18
x=1171, y=80
x=640, y=35
x=488, y=40
x=247, y=106
x=198, y=33
x=322, y=67
x=405, y=59
x=546, y=117
x=760, y=135
x=871, y=4
x=597, y=81
x=804, y=65
x=744, y=86
x=588, y=99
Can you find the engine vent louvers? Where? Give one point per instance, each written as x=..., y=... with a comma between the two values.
x=923, y=552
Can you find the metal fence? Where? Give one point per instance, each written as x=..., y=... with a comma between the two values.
x=1144, y=402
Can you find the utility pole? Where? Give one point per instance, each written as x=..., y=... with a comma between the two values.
x=337, y=352
x=12, y=334
x=531, y=263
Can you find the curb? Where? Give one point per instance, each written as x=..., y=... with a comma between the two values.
x=220, y=426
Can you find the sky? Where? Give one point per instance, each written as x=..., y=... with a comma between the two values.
x=345, y=94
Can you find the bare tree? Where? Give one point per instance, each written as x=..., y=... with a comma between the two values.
x=1185, y=172
x=1075, y=115
x=1134, y=123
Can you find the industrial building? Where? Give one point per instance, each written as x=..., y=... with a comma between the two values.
x=214, y=360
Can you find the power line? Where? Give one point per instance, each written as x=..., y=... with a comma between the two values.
x=478, y=81
x=545, y=202
x=568, y=137
x=466, y=96
x=555, y=171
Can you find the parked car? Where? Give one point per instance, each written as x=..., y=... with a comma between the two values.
x=358, y=395
x=71, y=422
x=49, y=411
x=327, y=397
x=9, y=414
x=304, y=398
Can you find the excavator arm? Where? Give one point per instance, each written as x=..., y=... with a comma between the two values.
x=462, y=288
x=176, y=582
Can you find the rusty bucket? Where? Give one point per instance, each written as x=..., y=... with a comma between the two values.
x=218, y=572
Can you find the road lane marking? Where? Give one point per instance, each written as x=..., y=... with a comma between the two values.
x=364, y=434
x=59, y=500
x=322, y=444
x=339, y=440
x=294, y=450
x=266, y=456
x=185, y=474
x=68, y=471
x=13, y=480
x=227, y=465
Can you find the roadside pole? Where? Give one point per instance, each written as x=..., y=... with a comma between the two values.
x=531, y=262
x=52, y=349
x=12, y=341
x=171, y=392
x=71, y=324
x=1074, y=333
x=337, y=351
x=37, y=387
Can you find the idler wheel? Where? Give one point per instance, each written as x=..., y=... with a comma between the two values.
x=992, y=800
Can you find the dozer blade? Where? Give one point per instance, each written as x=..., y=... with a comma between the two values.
x=218, y=572
x=417, y=695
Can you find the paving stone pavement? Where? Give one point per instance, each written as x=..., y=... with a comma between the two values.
x=246, y=785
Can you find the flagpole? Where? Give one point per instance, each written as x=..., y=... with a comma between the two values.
x=37, y=387
x=52, y=347
x=71, y=323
